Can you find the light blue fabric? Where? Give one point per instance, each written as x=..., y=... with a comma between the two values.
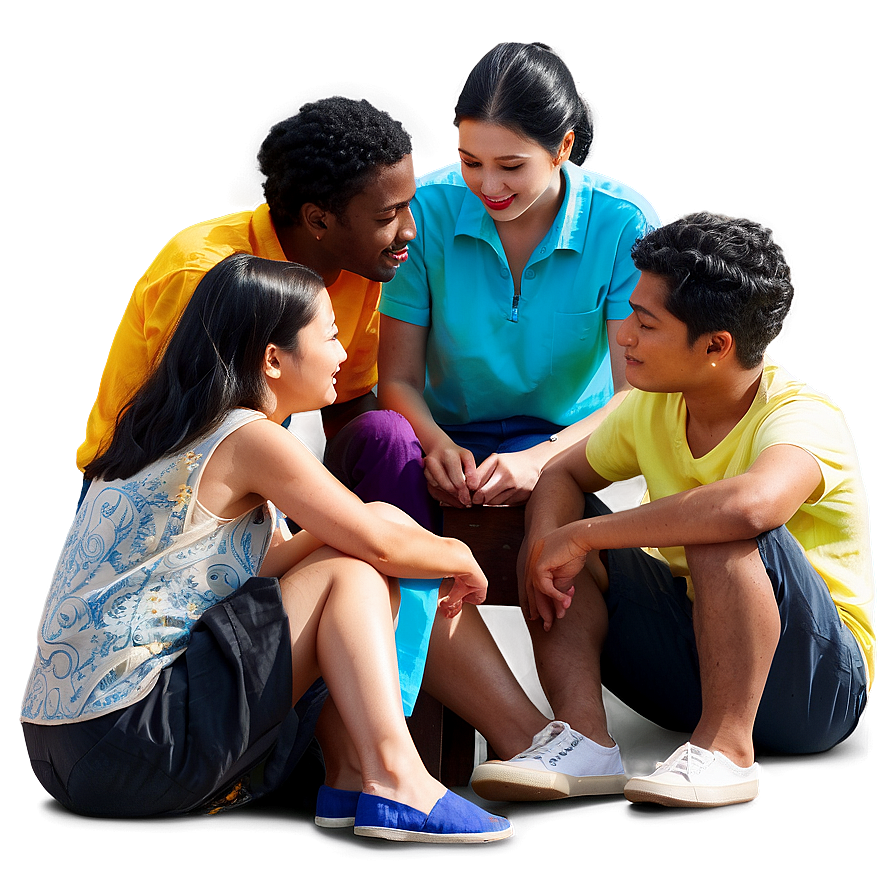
x=492, y=354
x=419, y=600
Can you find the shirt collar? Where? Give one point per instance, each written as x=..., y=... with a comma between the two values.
x=263, y=237
x=567, y=232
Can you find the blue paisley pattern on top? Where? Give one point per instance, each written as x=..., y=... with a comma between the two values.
x=137, y=570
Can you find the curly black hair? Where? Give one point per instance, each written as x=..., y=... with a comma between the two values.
x=326, y=154
x=723, y=274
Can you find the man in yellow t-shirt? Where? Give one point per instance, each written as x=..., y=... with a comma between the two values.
x=749, y=619
x=346, y=215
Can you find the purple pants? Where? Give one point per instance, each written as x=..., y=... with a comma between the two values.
x=377, y=456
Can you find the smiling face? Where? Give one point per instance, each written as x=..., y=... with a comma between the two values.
x=305, y=379
x=371, y=236
x=658, y=354
x=508, y=173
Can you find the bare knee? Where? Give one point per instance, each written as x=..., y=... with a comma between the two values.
x=335, y=565
x=720, y=554
x=389, y=512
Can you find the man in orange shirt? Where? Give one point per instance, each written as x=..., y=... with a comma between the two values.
x=344, y=214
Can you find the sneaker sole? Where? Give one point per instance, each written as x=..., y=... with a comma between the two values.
x=326, y=822
x=646, y=791
x=500, y=783
x=427, y=837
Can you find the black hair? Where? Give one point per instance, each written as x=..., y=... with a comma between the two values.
x=528, y=89
x=213, y=361
x=723, y=274
x=326, y=155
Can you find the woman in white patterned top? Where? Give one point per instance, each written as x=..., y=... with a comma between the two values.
x=185, y=637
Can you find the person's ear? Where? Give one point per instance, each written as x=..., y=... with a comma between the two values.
x=565, y=148
x=314, y=218
x=271, y=365
x=720, y=346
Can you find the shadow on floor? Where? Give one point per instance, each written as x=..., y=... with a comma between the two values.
x=821, y=826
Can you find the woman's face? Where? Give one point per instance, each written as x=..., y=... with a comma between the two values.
x=509, y=174
x=307, y=376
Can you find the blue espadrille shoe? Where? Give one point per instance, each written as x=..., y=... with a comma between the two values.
x=452, y=820
x=336, y=808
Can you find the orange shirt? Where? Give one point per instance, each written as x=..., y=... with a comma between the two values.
x=162, y=293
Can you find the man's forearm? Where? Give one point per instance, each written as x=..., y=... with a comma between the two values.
x=556, y=500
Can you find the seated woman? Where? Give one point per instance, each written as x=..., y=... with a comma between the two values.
x=498, y=334
x=184, y=639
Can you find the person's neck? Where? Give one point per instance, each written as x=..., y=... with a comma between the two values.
x=713, y=411
x=299, y=246
x=536, y=220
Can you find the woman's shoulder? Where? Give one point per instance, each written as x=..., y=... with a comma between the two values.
x=609, y=195
x=237, y=419
x=442, y=191
x=446, y=178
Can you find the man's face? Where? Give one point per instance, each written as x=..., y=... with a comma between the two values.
x=658, y=356
x=372, y=235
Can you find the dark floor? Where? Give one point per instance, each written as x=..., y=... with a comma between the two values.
x=823, y=826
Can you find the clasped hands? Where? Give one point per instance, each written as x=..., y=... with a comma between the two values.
x=454, y=478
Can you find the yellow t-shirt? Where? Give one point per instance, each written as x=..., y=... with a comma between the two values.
x=647, y=434
x=161, y=295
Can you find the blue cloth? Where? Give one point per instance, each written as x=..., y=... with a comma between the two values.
x=419, y=600
x=816, y=687
x=492, y=354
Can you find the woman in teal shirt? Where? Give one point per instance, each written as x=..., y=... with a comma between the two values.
x=498, y=335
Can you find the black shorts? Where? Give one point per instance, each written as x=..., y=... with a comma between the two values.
x=218, y=728
x=816, y=687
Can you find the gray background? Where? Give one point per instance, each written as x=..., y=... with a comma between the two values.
x=125, y=121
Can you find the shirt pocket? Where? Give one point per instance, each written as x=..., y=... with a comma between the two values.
x=579, y=343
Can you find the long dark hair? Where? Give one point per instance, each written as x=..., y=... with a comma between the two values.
x=528, y=89
x=213, y=361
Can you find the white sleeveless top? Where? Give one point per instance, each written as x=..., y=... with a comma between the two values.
x=141, y=563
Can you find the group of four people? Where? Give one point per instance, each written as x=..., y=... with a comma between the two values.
x=538, y=337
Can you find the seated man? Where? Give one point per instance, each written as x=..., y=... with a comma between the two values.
x=751, y=624
x=342, y=213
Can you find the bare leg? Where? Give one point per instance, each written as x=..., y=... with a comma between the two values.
x=341, y=624
x=568, y=658
x=737, y=627
x=343, y=767
x=466, y=671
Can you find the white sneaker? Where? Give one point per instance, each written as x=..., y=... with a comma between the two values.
x=559, y=764
x=695, y=777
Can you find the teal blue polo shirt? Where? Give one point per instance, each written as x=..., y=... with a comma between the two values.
x=494, y=354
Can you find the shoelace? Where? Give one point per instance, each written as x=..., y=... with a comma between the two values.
x=541, y=742
x=681, y=762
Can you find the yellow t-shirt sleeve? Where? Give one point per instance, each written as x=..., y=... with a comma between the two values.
x=610, y=449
